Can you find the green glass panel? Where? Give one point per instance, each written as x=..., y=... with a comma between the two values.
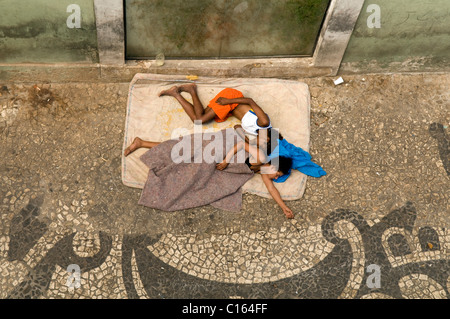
x=410, y=31
x=36, y=31
x=222, y=28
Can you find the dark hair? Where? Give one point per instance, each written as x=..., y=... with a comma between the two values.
x=273, y=142
x=284, y=164
x=269, y=132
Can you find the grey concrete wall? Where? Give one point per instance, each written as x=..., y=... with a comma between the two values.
x=413, y=35
x=37, y=32
x=336, y=32
x=109, y=16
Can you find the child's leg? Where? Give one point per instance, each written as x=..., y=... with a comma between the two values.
x=139, y=143
x=191, y=88
x=196, y=112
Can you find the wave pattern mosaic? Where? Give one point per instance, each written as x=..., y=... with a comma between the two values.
x=346, y=256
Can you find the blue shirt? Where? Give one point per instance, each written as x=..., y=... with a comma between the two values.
x=301, y=160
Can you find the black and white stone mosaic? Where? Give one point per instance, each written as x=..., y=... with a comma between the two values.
x=377, y=226
x=330, y=260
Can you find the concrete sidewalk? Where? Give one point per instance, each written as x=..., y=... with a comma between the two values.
x=383, y=140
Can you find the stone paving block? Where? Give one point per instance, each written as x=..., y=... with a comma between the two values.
x=383, y=142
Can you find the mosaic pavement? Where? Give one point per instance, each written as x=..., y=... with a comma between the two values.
x=72, y=231
x=331, y=260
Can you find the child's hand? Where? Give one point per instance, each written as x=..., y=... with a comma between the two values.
x=288, y=212
x=222, y=166
x=222, y=101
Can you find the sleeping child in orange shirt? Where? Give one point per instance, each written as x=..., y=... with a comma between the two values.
x=228, y=102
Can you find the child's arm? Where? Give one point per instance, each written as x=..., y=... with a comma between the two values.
x=229, y=156
x=263, y=119
x=221, y=166
x=253, y=151
x=241, y=133
x=276, y=196
x=256, y=153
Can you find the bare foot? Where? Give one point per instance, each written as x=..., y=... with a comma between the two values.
x=137, y=143
x=189, y=87
x=171, y=92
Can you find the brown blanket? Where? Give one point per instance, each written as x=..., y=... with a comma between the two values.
x=174, y=184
